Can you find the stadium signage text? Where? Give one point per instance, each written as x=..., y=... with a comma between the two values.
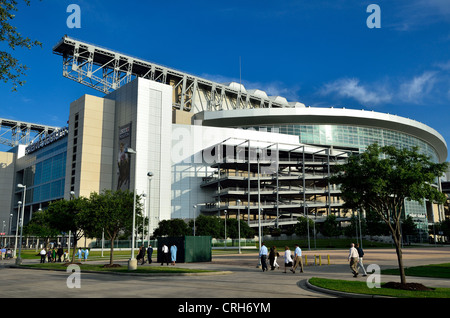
x=54, y=136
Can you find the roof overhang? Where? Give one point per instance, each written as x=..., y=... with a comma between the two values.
x=325, y=116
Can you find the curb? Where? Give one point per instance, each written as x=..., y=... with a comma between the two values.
x=128, y=274
x=338, y=293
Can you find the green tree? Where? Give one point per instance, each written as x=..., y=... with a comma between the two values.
x=375, y=224
x=301, y=228
x=39, y=226
x=444, y=226
x=173, y=227
x=233, y=229
x=409, y=227
x=382, y=178
x=10, y=67
x=69, y=216
x=113, y=214
x=330, y=227
x=206, y=225
x=357, y=226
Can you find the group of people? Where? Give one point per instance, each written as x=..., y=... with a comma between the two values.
x=291, y=261
x=5, y=253
x=355, y=256
x=141, y=255
x=165, y=254
x=82, y=254
x=173, y=254
x=53, y=255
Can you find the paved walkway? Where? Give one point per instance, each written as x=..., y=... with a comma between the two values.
x=241, y=278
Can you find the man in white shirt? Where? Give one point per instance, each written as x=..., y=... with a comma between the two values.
x=353, y=257
x=298, y=259
x=263, y=255
x=165, y=258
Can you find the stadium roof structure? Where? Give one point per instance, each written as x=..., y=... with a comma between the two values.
x=14, y=133
x=106, y=70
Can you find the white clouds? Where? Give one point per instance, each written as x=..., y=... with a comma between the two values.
x=415, y=14
x=351, y=88
x=431, y=86
x=417, y=88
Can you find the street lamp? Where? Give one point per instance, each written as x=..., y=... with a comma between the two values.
x=225, y=212
x=10, y=230
x=72, y=195
x=132, y=263
x=17, y=228
x=24, y=187
x=10, y=223
x=195, y=210
x=239, y=223
x=149, y=175
x=258, y=153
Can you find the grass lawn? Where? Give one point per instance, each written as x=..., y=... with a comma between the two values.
x=122, y=269
x=433, y=270
x=361, y=288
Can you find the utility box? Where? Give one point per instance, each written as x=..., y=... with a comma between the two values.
x=190, y=249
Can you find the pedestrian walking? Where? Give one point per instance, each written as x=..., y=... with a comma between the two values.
x=60, y=253
x=53, y=254
x=263, y=253
x=66, y=256
x=298, y=259
x=173, y=254
x=149, y=254
x=165, y=252
x=360, y=259
x=86, y=254
x=353, y=257
x=79, y=254
x=272, y=257
x=287, y=258
x=275, y=264
x=141, y=255
x=43, y=253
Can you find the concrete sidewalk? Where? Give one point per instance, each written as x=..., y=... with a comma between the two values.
x=239, y=277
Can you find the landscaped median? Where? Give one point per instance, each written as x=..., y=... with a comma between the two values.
x=346, y=288
x=100, y=268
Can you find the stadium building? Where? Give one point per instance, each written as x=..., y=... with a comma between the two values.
x=194, y=146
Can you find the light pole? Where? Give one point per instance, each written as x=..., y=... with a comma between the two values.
x=17, y=228
x=24, y=187
x=195, y=210
x=258, y=153
x=10, y=223
x=144, y=198
x=3, y=233
x=10, y=230
x=72, y=195
x=225, y=212
x=149, y=175
x=132, y=263
x=239, y=224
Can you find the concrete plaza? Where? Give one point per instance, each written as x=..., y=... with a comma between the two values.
x=239, y=277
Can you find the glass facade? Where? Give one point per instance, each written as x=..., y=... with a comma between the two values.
x=357, y=137
x=45, y=177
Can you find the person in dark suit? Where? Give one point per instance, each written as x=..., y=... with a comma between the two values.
x=149, y=254
x=60, y=253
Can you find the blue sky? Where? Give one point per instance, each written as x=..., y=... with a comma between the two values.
x=320, y=53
